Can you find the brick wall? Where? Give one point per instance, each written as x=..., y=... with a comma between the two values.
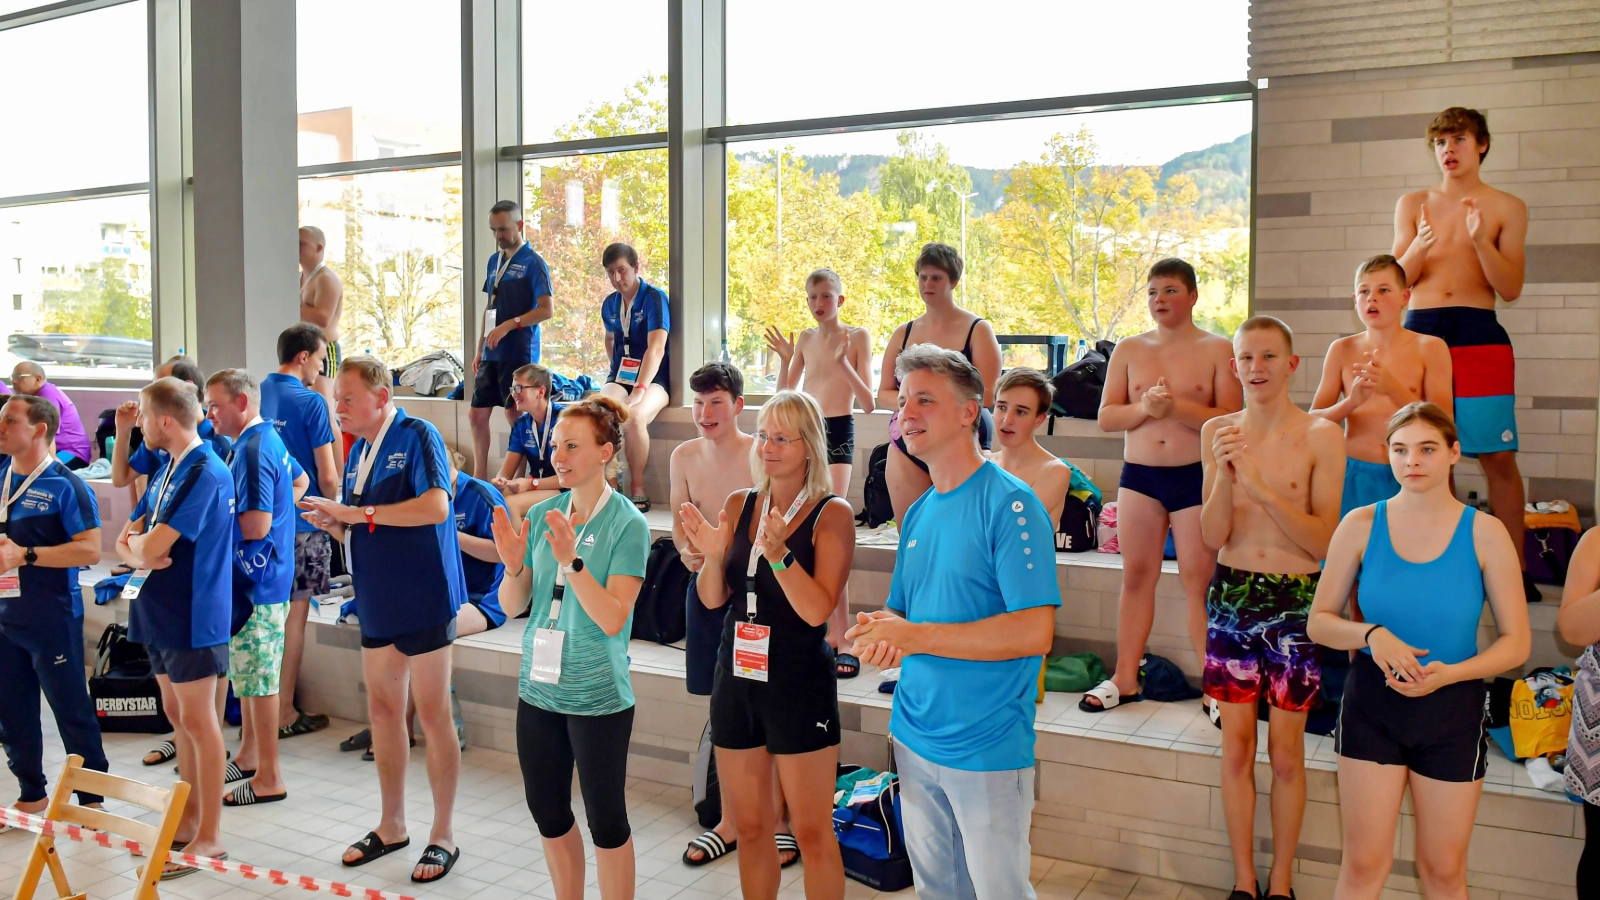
x=1337, y=149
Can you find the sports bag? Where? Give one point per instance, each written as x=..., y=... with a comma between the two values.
x=707, y=790
x=1078, y=530
x=1549, y=541
x=658, y=614
x=1079, y=385
x=876, y=508
x=126, y=696
x=871, y=841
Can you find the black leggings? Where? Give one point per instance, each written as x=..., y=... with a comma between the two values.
x=549, y=743
x=1589, y=862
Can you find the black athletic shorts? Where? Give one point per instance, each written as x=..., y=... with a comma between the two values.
x=841, y=439
x=788, y=718
x=416, y=643
x=492, y=385
x=182, y=666
x=1442, y=736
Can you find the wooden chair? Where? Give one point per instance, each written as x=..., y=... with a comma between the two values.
x=155, y=839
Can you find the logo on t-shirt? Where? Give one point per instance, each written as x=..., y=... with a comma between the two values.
x=588, y=540
x=396, y=461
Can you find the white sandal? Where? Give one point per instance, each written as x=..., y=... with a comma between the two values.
x=1110, y=698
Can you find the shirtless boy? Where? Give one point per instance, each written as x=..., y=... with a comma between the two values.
x=321, y=301
x=1272, y=480
x=1161, y=386
x=1376, y=372
x=835, y=361
x=1022, y=400
x=704, y=471
x=1461, y=243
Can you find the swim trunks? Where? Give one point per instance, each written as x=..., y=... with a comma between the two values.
x=1255, y=634
x=1174, y=487
x=330, y=363
x=1484, y=371
x=841, y=439
x=1366, y=483
x=255, y=654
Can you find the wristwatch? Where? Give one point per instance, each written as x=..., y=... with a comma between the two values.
x=575, y=568
x=517, y=320
x=369, y=512
x=786, y=562
x=30, y=556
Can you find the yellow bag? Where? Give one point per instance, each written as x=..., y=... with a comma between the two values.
x=1541, y=712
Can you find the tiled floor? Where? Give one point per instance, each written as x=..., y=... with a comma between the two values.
x=333, y=798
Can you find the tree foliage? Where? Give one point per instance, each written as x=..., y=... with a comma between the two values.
x=106, y=300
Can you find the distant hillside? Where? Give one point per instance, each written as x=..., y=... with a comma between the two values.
x=1221, y=171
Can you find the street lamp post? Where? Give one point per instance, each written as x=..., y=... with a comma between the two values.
x=932, y=185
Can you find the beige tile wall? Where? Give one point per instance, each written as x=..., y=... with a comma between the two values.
x=1336, y=150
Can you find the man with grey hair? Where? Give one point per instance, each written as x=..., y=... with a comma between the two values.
x=266, y=483
x=971, y=610
x=72, y=442
x=518, y=285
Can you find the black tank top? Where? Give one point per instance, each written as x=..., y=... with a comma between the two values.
x=798, y=650
x=966, y=349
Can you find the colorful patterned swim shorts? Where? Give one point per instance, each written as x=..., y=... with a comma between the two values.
x=1255, y=632
x=255, y=655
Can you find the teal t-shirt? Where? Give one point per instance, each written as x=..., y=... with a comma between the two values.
x=594, y=667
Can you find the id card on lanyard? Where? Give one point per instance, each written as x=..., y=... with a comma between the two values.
x=628, y=368
x=369, y=457
x=11, y=581
x=545, y=664
x=752, y=643
x=494, y=293
x=136, y=583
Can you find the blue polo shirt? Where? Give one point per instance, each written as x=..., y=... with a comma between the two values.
x=527, y=278
x=263, y=481
x=649, y=312
x=189, y=604
x=474, y=503
x=406, y=578
x=57, y=506
x=146, y=461
x=527, y=440
x=983, y=549
x=304, y=424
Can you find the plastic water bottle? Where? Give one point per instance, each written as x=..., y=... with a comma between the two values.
x=1083, y=349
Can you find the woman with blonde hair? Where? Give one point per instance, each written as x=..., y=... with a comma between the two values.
x=577, y=563
x=782, y=567
x=1413, y=705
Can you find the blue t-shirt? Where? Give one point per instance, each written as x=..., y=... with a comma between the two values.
x=649, y=312
x=526, y=279
x=301, y=417
x=263, y=481
x=189, y=604
x=474, y=505
x=983, y=549
x=57, y=506
x=406, y=578
x=146, y=461
x=536, y=444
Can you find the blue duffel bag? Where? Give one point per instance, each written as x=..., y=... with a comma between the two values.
x=871, y=841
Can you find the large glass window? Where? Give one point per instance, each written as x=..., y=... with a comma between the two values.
x=580, y=60
x=377, y=79
x=75, y=279
x=575, y=206
x=394, y=239
x=1057, y=220
x=75, y=102
x=842, y=57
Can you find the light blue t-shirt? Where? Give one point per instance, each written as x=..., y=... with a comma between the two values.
x=983, y=549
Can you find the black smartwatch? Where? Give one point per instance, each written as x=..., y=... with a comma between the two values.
x=575, y=568
x=30, y=556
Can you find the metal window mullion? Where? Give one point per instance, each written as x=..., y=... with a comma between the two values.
x=387, y=164
x=617, y=144
x=109, y=190
x=986, y=112
x=50, y=12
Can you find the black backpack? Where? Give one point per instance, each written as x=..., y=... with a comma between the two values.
x=1078, y=530
x=658, y=614
x=876, y=508
x=1079, y=386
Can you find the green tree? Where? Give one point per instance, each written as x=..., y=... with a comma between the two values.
x=104, y=301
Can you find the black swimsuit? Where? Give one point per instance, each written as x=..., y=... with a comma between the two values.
x=985, y=418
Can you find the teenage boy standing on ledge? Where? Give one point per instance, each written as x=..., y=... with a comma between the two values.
x=1461, y=244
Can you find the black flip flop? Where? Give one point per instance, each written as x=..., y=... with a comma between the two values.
x=361, y=740
x=846, y=665
x=245, y=795
x=164, y=751
x=788, y=844
x=434, y=855
x=712, y=848
x=372, y=847
x=233, y=773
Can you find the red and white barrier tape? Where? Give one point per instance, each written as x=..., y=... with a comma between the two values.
x=41, y=825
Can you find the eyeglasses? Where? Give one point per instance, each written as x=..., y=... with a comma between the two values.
x=519, y=388
x=783, y=443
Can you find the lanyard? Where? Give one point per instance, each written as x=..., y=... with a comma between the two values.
x=625, y=313
x=313, y=273
x=7, y=497
x=541, y=445
x=166, y=482
x=370, y=454
x=505, y=263
x=750, y=570
x=577, y=543
x=244, y=431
